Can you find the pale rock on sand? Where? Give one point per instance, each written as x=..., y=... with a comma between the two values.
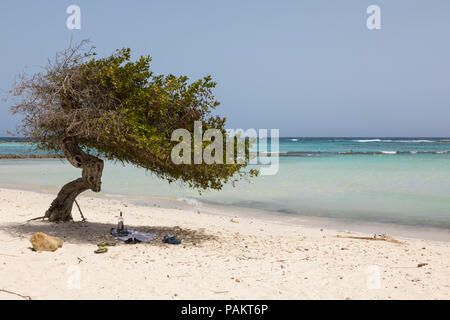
x=43, y=242
x=218, y=259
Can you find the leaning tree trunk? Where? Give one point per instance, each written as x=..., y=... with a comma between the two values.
x=92, y=168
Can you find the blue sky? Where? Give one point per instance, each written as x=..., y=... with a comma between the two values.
x=309, y=68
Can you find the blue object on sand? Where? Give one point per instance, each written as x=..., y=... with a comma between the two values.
x=170, y=239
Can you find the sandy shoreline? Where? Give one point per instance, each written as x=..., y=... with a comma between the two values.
x=218, y=259
x=214, y=208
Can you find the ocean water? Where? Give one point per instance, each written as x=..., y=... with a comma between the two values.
x=394, y=180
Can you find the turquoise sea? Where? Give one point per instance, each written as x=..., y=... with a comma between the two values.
x=395, y=180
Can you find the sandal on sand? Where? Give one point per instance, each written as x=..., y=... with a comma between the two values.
x=106, y=244
x=132, y=241
x=101, y=250
x=171, y=239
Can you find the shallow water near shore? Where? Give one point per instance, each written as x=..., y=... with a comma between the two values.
x=403, y=181
x=420, y=199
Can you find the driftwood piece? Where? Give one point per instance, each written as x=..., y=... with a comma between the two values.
x=16, y=294
x=379, y=237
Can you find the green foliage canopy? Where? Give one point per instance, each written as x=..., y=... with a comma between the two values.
x=119, y=109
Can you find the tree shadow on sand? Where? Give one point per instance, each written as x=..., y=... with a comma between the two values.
x=95, y=232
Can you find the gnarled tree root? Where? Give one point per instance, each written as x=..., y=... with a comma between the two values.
x=61, y=207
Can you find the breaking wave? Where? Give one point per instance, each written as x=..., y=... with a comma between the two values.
x=400, y=141
x=328, y=153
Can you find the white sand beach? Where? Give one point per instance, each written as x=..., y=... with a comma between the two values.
x=246, y=258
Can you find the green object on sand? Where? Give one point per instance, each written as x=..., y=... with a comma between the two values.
x=101, y=250
x=102, y=247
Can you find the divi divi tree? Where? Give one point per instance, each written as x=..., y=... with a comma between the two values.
x=89, y=109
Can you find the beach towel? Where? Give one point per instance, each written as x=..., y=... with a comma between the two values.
x=129, y=235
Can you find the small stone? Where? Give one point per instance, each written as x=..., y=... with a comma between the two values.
x=420, y=265
x=44, y=242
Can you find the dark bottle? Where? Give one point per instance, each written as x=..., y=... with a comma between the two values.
x=120, y=224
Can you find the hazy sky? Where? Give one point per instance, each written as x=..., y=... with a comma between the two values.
x=309, y=68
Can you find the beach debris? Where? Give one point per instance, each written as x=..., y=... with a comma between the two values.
x=219, y=292
x=380, y=237
x=234, y=220
x=37, y=218
x=170, y=239
x=420, y=265
x=44, y=242
x=16, y=294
